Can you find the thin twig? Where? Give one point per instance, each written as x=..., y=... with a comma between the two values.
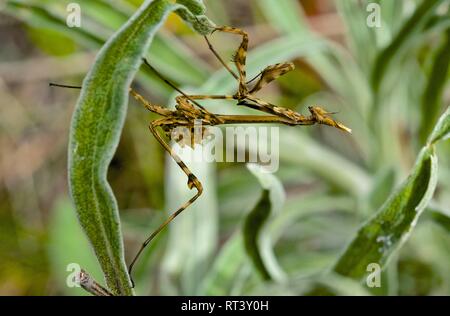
x=91, y=286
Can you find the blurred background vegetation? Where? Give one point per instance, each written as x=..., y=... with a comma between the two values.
x=388, y=84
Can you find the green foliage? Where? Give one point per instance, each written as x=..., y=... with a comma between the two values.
x=227, y=268
x=195, y=6
x=433, y=94
x=404, y=37
x=442, y=219
x=167, y=54
x=252, y=228
x=52, y=42
x=383, y=234
x=287, y=16
x=257, y=239
x=441, y=130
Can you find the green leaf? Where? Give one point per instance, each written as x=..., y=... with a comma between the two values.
x=441, y=218
x=382, y=235
x=433, y=94
x=382, y=186
x=332, y=283
x=195, y=6
x=257, y=241
x=222, y=275
x=191, y=11
x=52, y=42
x=307, y=205
x=391, y=13
x=95, y=132
x=38, y=16
x=361, y=39
x=406, y=34
x=442, y=129
x=287, y=16
x=253, y=225
x=324, y=162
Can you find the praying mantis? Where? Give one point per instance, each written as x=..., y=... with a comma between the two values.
x=189, y=112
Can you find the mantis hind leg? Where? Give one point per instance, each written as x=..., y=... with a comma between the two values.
x=192, y=182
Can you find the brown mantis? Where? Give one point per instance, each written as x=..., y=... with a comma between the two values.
x=189, y=112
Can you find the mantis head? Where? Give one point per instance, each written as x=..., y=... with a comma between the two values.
x=322, y=117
